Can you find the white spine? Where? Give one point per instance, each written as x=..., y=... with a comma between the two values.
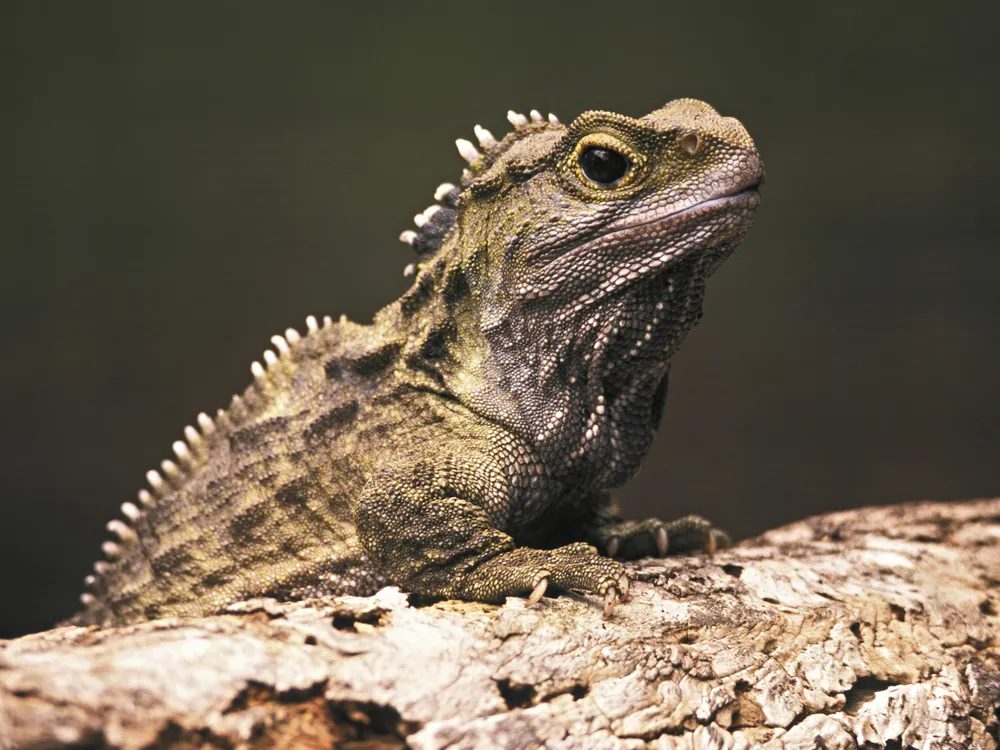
x=123, y=531
x=485, y=137
x=180, y=449
x=516, y=119
x=206, y=424
x=192, y=437
x=280, y=344
x=467, y=150
x=171, y=469
x=442, y=190
x=131, y=512
x=156, y=481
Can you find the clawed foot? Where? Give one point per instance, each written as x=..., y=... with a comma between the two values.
x=579, y=566
x=576, y=566
x=613, y=595
x=525, y=571
x=630, y=540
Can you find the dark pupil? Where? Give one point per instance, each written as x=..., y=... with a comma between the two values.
x=602, y=165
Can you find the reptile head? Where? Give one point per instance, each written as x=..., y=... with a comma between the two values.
x=585, y=247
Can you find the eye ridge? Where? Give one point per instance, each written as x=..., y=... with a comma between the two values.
x=604, y=166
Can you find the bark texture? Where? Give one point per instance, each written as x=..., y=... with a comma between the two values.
x=873, y=628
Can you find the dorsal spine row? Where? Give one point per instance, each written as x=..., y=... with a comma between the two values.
x=434, y=222
x=189, y=453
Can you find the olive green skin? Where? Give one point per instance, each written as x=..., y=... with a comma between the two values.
x=463, y=444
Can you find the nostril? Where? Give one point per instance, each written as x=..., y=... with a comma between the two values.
x=689, y=143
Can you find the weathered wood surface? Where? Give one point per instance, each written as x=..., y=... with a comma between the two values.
x=869, y=628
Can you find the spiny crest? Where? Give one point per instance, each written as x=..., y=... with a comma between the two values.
x=190, y=453
x=434, y=222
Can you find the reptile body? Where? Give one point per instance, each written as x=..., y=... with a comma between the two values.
x=462, y=445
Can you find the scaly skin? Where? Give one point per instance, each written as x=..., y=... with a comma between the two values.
x=463, y=444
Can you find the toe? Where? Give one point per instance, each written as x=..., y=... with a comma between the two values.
x=623, y=584
x=610, y=600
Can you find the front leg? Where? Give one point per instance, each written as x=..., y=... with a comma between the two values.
x=630, y=540
x=427, y=530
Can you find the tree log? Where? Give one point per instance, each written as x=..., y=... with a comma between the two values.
x=870, y=628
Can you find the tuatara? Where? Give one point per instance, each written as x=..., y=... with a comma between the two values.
x=462, y=445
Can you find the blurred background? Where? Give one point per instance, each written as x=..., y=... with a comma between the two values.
x=183, y=180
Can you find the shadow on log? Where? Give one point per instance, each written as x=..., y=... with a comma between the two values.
x=869, y=628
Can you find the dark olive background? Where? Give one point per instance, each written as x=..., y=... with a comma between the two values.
x=182, y=180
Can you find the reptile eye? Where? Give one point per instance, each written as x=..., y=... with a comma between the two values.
x=604, y=166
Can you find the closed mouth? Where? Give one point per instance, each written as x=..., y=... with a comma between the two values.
x=618, y=234
x=745, y=194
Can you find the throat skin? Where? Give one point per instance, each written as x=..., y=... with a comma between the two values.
x=586, y=371
x=463, y=444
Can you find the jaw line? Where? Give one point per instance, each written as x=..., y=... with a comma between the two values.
x=675, y=217
x=677, y=214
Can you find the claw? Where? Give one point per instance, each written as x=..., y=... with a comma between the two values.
x=538, y=592
x=717, y=539
x=613, y=544
x=662, y=541
x=610, y=600
x=623, y=585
